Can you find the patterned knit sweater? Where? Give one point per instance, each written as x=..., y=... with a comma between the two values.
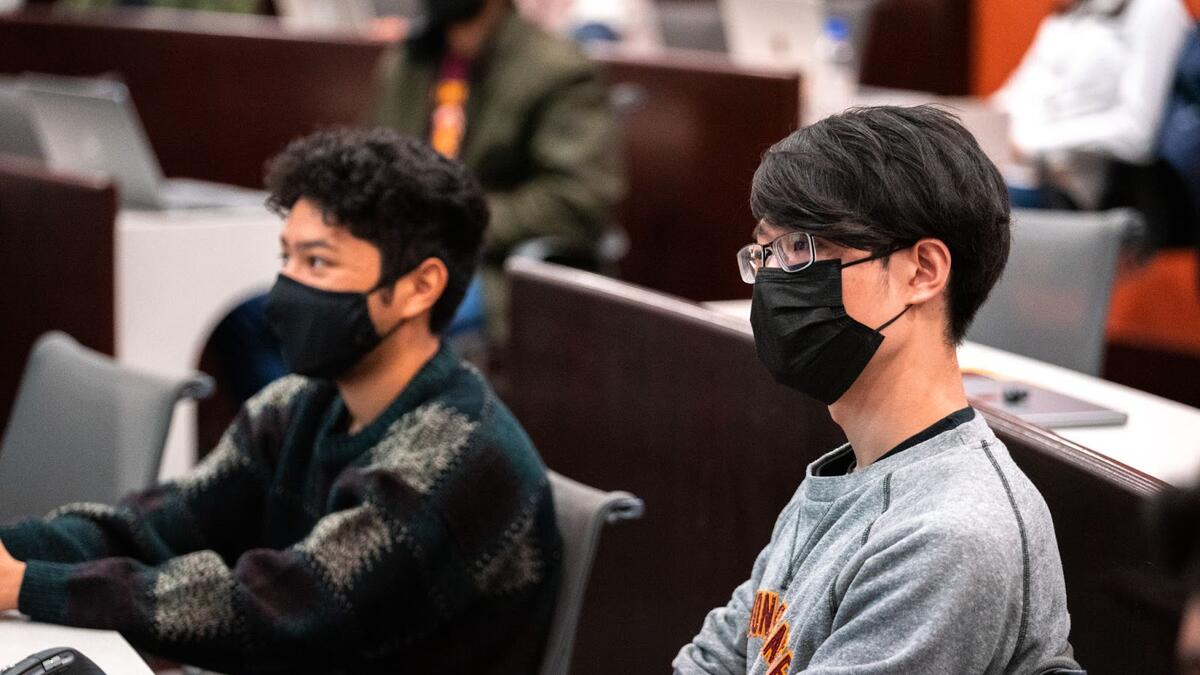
x=424, y=543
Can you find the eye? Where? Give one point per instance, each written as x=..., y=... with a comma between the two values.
x=317, y=262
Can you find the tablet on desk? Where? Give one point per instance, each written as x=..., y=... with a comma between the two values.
x=1039, y=406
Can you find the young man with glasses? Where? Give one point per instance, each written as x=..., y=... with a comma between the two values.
x=918, y=547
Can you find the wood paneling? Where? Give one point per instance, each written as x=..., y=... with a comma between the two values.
x=692, y=142
x=218, y=94
x=922, y=45
x=56, y=264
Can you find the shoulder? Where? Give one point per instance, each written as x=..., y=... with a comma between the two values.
x=497, y=429
x=461, y=431
x=970, y=497
x=264, y=420
x=554, y=61
x=970, y=500
x=279, y=395
x=468, y=460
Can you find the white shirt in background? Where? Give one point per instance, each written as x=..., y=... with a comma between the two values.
x=636, y=21
x=1093, y=88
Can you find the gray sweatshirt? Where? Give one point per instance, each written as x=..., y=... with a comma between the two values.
x=938, y=559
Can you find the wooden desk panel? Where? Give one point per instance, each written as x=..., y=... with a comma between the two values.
x=57, y=237
x=638, y=391
x=691, y=145
x=1123, y=613
x=922, y=45
x=218, y=95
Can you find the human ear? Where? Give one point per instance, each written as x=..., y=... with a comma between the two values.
x=930, y=271
x=418, y=291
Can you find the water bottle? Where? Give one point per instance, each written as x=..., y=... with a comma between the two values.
x=834, y=81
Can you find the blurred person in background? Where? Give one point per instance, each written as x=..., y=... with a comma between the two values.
x=1088, y=96
x=633, y=23
x=525, y=110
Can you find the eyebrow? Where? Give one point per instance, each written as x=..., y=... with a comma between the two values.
x=308, y=245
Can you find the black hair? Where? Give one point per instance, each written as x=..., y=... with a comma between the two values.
x=391, y=190
x=427, y=41
x=884, y=177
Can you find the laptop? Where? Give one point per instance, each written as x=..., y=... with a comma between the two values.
x=784, y=33
x=352, y=15
x=90, y=125
x=1039, y=406
x=18, y=135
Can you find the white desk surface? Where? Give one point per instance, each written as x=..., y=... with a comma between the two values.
x=1161, y=439
x=20, y=638
x=178, y=273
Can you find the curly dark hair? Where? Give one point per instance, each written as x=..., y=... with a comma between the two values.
x=881, y=177
x=393, y=191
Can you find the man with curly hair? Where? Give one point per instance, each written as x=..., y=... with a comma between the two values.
x=378, y=511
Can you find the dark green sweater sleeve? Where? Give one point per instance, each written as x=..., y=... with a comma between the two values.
x=197, y=512
x=151, y=526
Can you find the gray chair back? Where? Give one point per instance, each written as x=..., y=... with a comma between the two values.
x=582, y=511
x=1052, y=302
x=84, y=429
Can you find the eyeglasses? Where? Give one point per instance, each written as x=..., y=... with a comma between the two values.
x=791, y=252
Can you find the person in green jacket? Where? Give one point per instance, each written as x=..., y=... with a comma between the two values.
x=525, y=110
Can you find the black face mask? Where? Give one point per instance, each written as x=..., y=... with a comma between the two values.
x=441, y=13
x=803, y=334
x=322, y=333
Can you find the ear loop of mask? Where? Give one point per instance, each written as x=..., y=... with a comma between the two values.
x=399, y=324
x=894, y=319
x=879, y=256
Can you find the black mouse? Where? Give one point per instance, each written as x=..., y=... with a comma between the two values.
x=57, y=661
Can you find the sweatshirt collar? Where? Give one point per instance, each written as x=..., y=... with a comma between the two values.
x=829, y=488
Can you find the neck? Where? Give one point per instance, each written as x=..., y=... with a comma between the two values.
x=384, y=373
x=899, y=397
x=467, y=39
